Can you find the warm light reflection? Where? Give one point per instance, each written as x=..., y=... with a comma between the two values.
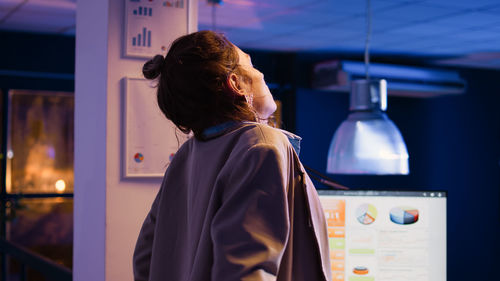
x=60, y=186
x=41, y=141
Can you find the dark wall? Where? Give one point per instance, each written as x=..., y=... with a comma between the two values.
x=37, y=61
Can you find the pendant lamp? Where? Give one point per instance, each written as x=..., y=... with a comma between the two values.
x=368, y=142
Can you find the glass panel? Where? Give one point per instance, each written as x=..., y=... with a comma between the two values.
x=1, y=136
x=41, y=126
x=43, y=225
x=3, y=132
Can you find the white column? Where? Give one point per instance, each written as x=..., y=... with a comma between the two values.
x=108, y=209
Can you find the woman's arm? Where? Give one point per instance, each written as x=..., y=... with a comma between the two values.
x=250, y=229
x=144, y=245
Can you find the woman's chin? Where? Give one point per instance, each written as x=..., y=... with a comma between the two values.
x=267, y=114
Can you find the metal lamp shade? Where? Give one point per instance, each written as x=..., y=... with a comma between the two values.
x=368, y=142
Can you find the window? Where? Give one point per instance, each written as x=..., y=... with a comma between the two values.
x=38, y=192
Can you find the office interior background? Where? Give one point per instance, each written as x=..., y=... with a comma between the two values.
x=453, y=140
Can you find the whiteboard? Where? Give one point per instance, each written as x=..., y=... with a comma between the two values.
x=151, y=140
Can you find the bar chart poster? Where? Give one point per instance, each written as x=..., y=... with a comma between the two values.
x=151, y=25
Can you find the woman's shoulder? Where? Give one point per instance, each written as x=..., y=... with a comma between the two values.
x=263, y=134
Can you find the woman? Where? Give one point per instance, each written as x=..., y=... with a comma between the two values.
x=235, y=203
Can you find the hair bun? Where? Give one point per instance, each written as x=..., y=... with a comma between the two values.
x=152, y=68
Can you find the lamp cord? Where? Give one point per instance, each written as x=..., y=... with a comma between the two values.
x=324, y=179
x=214, y=25
x=367, y=39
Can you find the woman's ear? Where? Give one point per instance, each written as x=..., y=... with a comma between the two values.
x=234, y=84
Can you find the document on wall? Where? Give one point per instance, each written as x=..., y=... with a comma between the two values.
x=151, y=140
x=151, y=25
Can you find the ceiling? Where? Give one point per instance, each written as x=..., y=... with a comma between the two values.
x=463, y=31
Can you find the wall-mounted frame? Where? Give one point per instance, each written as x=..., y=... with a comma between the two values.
x=40, y=142
x=151, y=25
x=150, y=139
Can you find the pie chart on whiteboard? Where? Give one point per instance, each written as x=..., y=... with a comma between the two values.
x=404, y=215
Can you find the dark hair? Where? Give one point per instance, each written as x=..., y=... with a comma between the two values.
x=192, y=82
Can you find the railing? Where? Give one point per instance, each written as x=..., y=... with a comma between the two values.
x=51, y=270
x=26, y=258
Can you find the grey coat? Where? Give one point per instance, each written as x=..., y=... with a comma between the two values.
x=236, y=207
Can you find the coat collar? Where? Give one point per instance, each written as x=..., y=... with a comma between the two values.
x=219, y=130
x=226, y=127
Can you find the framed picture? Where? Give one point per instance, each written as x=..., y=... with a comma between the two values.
x=151, y=140
x=40, y=142
x=151, y=25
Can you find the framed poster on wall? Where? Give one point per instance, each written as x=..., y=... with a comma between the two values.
x=151, y=140
x=151, y=25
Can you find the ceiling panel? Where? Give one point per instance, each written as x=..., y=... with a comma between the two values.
x=415, y=27
x=359, y=24
x=462, y=4
x=229, y=16
x=350, y=7
x=327, y=33
x=410, y=31
x=287, y=44
x=469, y=20
x=495, y=9
x=41, y=15
x=414, y=12
x=7, y=6
x=477, y=35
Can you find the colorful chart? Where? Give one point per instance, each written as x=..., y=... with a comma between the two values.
x=152, y=25
x=360, y=270
x=366, y=213
x=138, y=157
x=173, y=3
x=143, y=11
x=404, y=215
x=143, y=39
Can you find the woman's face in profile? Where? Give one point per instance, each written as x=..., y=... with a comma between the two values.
x=263, y=101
